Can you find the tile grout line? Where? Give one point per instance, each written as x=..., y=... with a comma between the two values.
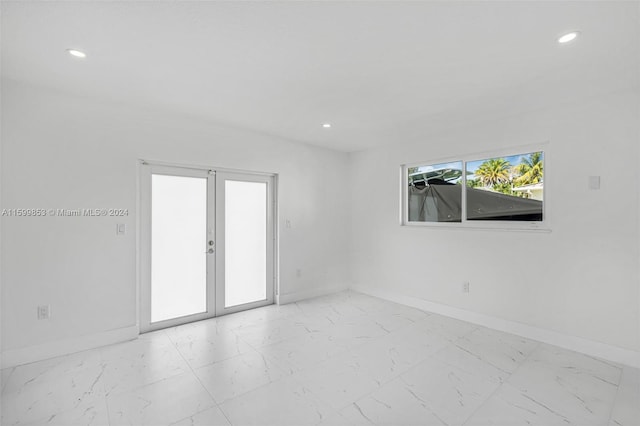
x=254, y=349
x=615, y=399
x=106, y=403
x=503, y=383
x=201, y=384
x=293, y=375
x=381, y=384
x=4, y=382
x=140, y=386
x=104, y=387
x=278, y=368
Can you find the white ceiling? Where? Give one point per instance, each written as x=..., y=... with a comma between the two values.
x=380, y=72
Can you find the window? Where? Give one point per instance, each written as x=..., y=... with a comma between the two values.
x=435, y=192
x=498, y=189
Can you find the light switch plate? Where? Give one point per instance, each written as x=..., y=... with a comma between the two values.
x=594, y=182
x=121, y=229
x=44, y=312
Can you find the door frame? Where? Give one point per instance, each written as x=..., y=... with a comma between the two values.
x=143, y=241
x=221, y=178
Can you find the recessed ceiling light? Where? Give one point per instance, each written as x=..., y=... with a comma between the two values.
x=568, y=37
x=326, y=125
x=76, y=53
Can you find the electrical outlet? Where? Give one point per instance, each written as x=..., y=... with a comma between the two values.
x=298, y=273
x=43, y=312
x=465, y=287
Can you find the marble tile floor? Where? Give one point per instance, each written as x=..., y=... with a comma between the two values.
x=343, y=359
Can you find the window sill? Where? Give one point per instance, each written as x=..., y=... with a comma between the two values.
x=506, y=227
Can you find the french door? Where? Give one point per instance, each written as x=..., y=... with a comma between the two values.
x=207, y=244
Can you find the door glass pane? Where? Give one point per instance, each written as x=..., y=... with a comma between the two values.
x=245, y=242
x=178, y=241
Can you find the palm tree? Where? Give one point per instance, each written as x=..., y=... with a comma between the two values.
x=473, y=183
x=530, y=169
x=493, y=172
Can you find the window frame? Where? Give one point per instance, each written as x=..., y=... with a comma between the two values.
x=543, y=226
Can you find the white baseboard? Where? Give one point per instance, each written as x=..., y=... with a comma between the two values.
x=15, y=357
x=283, y=299
x=578, y=344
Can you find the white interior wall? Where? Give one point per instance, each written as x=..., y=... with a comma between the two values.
x=63, y=151
x=581, y=279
